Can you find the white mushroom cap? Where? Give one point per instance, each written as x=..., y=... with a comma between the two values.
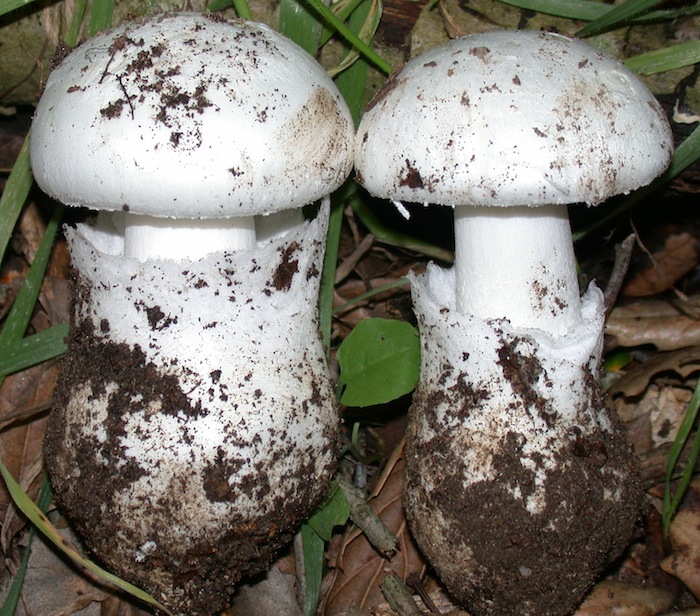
x=512, y=118
x=189, y=116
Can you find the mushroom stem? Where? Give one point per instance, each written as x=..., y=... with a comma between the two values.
x=149, y=237
x=517, y=263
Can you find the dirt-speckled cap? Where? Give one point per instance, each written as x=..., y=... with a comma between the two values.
x=512, y=118
x=185, y=115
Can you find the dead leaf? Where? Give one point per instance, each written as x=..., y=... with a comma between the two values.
x=612, y=598
x=358, y=569
x=683, y=362
x=684, y=536
x=21, y=443
x=52, y=587
x=272, y=596
x=678, y=256
x=662, y=324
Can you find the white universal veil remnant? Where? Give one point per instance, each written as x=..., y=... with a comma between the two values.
x=520, y=485
x=195, y=425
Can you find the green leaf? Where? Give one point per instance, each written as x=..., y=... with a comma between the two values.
x=379, y=362
x=100, y=16
x=313, y=548
x=6, y=6
x=334, y=511
x=42, y=523
x=584, y=10
x=618, y=16
x=14, y=194
x=34, y=349
x=665, y=59
x=300, y=24
x=352, y=38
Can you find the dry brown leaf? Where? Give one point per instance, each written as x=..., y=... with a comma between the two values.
x=359, y=569
x=678, y=256
x=684, y=536
x=53, y=588
x=273, y=596
x=656, y=322
x=21, y=444
x=683, y=362
x=653, y=419
x=612, y=598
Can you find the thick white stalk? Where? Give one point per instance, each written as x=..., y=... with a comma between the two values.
x=277, y=224
x=517, y=263
x=149, y=237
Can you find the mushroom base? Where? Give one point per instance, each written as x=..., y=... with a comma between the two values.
x=520, y=486
x=194, y=425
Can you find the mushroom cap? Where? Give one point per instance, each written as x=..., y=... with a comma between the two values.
x=186, y=115
x=512, y=118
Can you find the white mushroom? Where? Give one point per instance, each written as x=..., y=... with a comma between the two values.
x=194, y=426
x=520, y=485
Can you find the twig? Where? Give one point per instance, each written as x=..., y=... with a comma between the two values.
x=623, y=256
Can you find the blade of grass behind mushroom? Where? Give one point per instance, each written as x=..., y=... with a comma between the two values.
x=7, y=6
x=587, y=10
x=23, y=307
x=665, y=59
x=34, y=349
x=300, y=23
x=14, y=195
x=618, y=16
x=12, y=599
x=42, y=523
x=671, y=502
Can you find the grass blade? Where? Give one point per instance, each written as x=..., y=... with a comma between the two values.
x=618, y=16
x=300, y=24
x=14, y=195
x=665, y=59
x=101, y=15
x=23, y=307
x=583, y=10
x=12, y=599
x=367, y=51
x=34, y=349
x=7, y=6
x=671, y=502
x=42, y=523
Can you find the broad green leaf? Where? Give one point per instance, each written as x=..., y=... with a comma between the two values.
x=379, y=362
x=314, y=552
x=42, y=523
x=334, y=511
x=300, y=23
x=101, y=14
